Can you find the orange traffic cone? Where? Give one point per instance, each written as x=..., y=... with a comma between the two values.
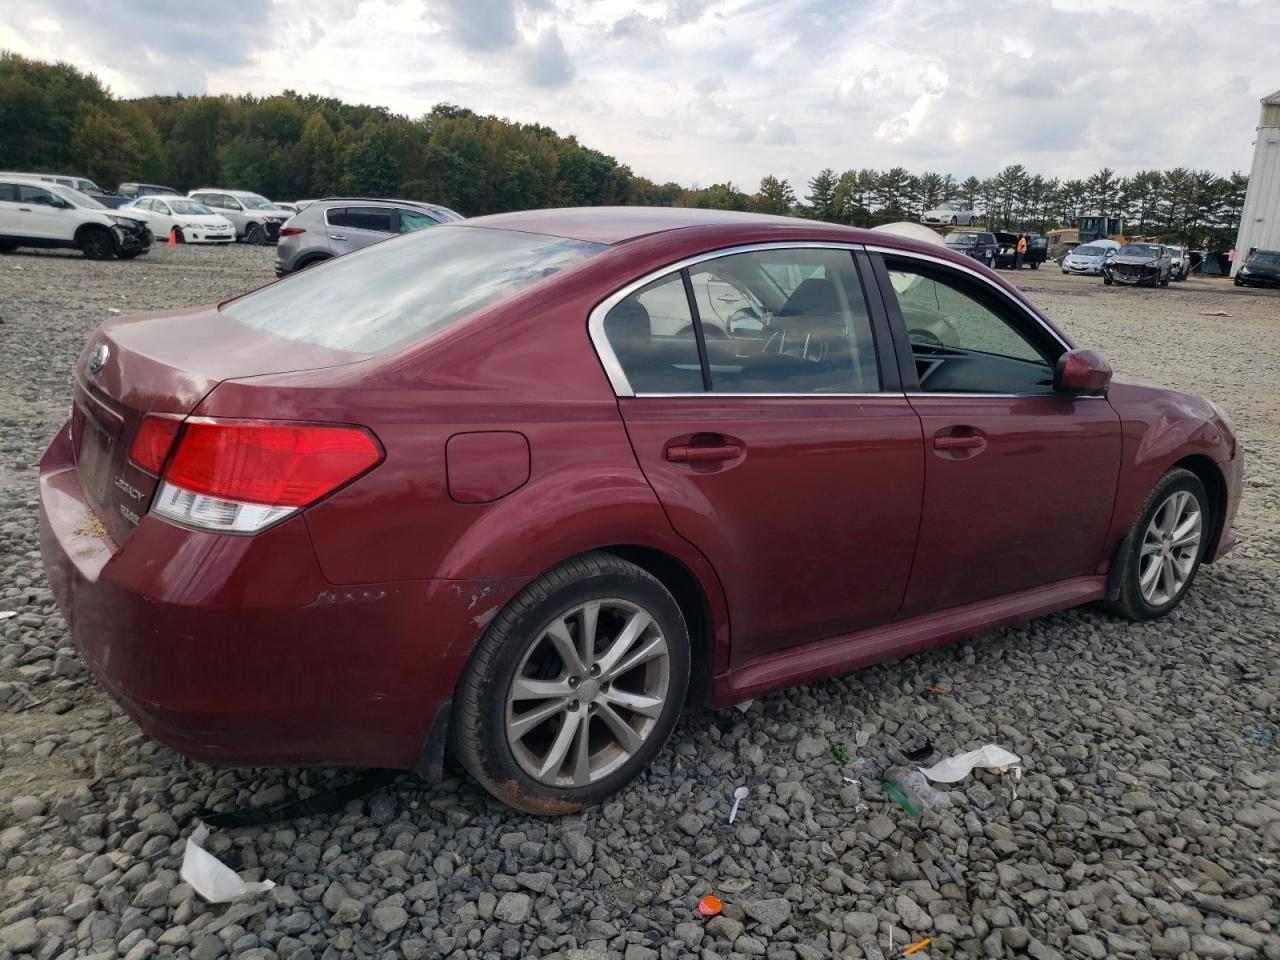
x=173, y=237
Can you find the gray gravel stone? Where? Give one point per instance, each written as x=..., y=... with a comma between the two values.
x=513, y=908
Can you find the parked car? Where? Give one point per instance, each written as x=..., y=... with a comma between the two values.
x=81, y=184
x=1088, y=258
x=40, y=213
x=1138, y=263
x=954, y=212
x=980, y=246
x=478, y=501
x=1179, y=262
x=193, y=221
x=132, y=191
x=288, y=207
x=336, y=225
x=1007, y=255
x=256, y=219
x=1261, y=269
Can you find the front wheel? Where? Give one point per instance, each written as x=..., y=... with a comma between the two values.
x=98, y=244
x=574, y=688
x=255, y=234
x=1166, y=544
x=1106, y=279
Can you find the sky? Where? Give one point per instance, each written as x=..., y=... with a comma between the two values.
x=704, y=91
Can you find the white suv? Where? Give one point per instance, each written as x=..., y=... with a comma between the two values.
x=37, y=213
x=256, y=219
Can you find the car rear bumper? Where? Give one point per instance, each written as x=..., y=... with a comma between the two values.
x=237, y=650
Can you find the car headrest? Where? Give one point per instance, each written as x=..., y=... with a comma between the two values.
x=814, y=295
x=628, y=320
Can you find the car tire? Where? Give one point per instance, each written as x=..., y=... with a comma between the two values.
x=255, y=235
x=533, y=759
x=1165, y=281
x=97, y=243
x=1239, y=282
x=955, y=221
x=1167, y=506
x=1106, y=279
x=130, y=254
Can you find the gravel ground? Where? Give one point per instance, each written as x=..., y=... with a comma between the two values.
x=1147, y=822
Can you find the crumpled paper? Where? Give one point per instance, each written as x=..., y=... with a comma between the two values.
x=210, y=877
x=961, y=765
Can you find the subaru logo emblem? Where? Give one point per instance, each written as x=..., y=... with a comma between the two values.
x=98, y=359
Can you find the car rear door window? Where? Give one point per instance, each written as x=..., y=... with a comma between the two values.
x=8, y=192
x=377, y=219
x=798, y=323
x=651, y=335
x=964, y=340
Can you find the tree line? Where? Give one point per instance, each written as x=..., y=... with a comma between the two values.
x=56, y=118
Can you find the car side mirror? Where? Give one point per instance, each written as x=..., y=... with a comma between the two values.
x=1081, y=371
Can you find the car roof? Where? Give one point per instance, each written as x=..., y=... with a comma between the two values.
x=615, y=225
x=234, y=193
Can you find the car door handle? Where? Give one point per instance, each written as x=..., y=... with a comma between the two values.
x=24, y=209
x=335, y=236
x=728, y=298
x=959, y=443
x=688, y=454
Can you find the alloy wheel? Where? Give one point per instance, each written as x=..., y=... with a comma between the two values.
x=588, y=693
x=1170, y=548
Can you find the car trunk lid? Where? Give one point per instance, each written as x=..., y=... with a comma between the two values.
x=161, y=364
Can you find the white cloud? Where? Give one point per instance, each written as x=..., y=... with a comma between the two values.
x=713, y=90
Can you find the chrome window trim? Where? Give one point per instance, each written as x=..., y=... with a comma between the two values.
x=965, y=268
x=772, y=396
x=595, y=320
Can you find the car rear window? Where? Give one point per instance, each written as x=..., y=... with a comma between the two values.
x=378, y=298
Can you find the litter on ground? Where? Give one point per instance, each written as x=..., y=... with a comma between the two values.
x=210, y=877
x=961, y=765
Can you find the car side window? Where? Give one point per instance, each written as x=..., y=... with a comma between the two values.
x=36, y=195
x=411, y=220
x=963, y=341
x=8, y=192
x=790, y=321
x=651, y=335
x=160, y=206
x=377, y=219
x=231, y=203
x=209, y=200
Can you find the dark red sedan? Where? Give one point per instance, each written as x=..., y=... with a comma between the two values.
x=519, y=484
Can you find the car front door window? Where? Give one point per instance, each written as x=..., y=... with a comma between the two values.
x=962, y=343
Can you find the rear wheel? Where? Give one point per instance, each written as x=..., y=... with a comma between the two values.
x=1166, y=545
x=98, y=244
x=574, y=688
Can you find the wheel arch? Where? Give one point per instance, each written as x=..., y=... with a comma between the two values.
x=694, y=604
x=1215, y=486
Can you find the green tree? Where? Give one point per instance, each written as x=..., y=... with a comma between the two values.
x=368, y=166
x=720, y=196
x=245, y=163
x=103, y=148
x=822, y=195
x=774, y=196
x=319, y=157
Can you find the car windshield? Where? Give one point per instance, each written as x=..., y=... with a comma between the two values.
x=82, y=199
x=961, y=239
x=189, y=207
x=1265, y=258
x=1089, y=251
x=252, y=201
x=1139, y=250
x=383, y=296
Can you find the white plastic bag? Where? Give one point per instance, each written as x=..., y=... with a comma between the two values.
x=961, y=765
x=210, y=877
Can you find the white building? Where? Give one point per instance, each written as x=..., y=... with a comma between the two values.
x=1260, y=219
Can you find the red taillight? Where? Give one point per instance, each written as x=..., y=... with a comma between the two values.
x=283, y=465
x=152, y=442
x=291, y=231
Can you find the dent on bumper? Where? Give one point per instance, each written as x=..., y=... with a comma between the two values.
x=237, y=650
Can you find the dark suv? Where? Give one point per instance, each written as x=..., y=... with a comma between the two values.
x=980, y=246
x=337, y=225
